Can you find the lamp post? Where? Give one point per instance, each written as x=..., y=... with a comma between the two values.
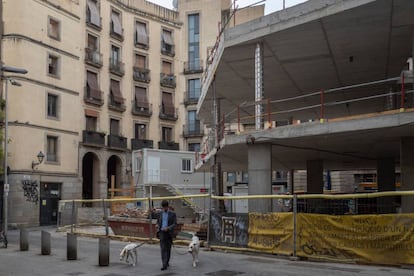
x=6, y=125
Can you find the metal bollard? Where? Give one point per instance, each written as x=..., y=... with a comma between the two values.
x=103, y=251
x=72, y=247
x=24, y=240
x=46, y=242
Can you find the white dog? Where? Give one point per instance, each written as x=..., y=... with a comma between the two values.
x=130, y=252
x=194, y=248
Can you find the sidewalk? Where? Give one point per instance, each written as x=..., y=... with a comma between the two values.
x=16, y=263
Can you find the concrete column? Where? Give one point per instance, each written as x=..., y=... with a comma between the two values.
x=407, y=172
x=314, y=176
x=259, y=91
x=260, y=176
x=386, y=182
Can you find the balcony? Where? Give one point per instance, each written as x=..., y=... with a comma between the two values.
x=91, y=97
x=115, y=141
x=141, y=74
x=191, y=97
x=168, y=113
x=168, y=80
x=193, y=129
x=168, y=145
x=93, y=138
x=117, y=36
x=116, y=67
x=140, y=110
x=167, y=49
x=137, y=144
x=115, y=106
x=193, y=67
x=93, y=57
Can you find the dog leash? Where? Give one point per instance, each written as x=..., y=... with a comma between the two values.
x=176, y=250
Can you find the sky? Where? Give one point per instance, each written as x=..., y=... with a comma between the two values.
x=271, y=5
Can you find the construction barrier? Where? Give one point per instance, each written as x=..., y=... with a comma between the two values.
x=363, y=228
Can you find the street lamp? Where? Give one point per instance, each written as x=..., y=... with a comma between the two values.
x=40, y=157
x=6, y=126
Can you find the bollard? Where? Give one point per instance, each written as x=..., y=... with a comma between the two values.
x=24, y=240
x=72, y=247
x=103, y=251
x=46, y=243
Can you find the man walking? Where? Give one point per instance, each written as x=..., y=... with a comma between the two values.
x=166, y=223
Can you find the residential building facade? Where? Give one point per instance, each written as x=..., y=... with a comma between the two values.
x=106, y=77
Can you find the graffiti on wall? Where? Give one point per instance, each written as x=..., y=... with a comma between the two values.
x=229, y=229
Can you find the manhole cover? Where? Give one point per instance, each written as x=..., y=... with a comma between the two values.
x=224, y=273
x=74, y=273
x=112, y=274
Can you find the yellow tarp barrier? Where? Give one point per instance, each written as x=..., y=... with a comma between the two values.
x=379, y=239
x=271, y=232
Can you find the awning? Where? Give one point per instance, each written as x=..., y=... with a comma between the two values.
x=94, y=13
x=167, y=37
x=92, y=83
x=142, y=36
x=116, y=21
x=116, y=92
x=141, y=97
x=91, y=113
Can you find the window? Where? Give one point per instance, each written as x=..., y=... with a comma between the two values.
x=193, y=41
x=194, y=89
x=194, y=147
x=141, y=100
x=52, y=146
x=167, y=104
x=193, y=123
x=166, y=134
x=116, y=26
x=140, y=131
x=92, y=86
x=52, y=105
x=92, y=13
x=231, y=177
x=114, y=127
x=140, y=61
x=115, y=55
x=92, y=42
x=141, y=34
x=53, y=66
x=166, y=68
x=167, y=44
x=186, y=166
x=53, y=28
x=91, y=123
x=116, y=95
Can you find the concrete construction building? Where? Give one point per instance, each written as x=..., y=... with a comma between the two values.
x=326, y=85
x=105, y=77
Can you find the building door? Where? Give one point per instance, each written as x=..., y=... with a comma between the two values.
x=49, y=201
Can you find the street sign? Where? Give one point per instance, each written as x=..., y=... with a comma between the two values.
x=6, y=187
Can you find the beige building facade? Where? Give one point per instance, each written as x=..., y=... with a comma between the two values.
x=105, y=77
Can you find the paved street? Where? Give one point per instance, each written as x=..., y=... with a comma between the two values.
x=14, y=262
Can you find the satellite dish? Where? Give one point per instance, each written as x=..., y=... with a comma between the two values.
x=175, y=4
